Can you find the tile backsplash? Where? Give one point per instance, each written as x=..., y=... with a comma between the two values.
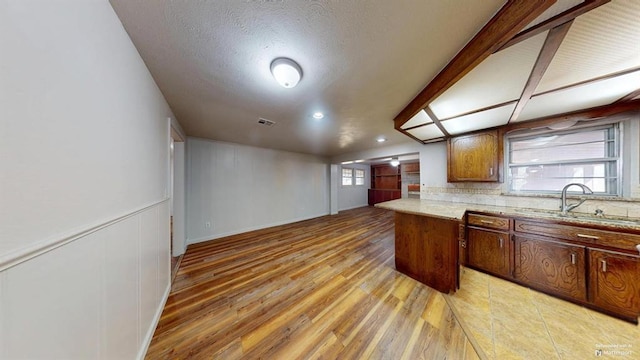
x=491, y=194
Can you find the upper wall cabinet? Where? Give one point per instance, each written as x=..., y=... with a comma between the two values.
x=476, y=157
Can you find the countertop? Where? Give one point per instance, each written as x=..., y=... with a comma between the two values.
x=456, y=211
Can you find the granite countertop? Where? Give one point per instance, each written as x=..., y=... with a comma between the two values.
x=456, y=211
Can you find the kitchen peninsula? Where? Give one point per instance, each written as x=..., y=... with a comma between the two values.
x=426, y=243
x=588, y=260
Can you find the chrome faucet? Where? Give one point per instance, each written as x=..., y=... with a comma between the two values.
x=564, y=207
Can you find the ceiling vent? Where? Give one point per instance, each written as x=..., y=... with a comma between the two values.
x=266, y=122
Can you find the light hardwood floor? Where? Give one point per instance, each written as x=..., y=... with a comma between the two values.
x=322, y=288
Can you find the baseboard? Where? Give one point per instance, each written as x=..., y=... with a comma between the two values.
x=152, y=329
x=253, y=228
x=353, y=207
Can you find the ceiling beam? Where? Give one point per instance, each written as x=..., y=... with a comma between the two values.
x=511, y=18
x=557, y=20
x=548, y=51
x=592, y=113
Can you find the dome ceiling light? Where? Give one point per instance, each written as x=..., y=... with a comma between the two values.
x=286, y=72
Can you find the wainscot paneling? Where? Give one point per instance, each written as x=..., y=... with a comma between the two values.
x=97, y=297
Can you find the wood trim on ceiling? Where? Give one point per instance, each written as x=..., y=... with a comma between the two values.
x=592, y=113
x=555, y=21
x=491, y=107
x=411, y=136
x=548, y=51
x=509, y=20
x=589, y=81
x=630, y=96
x=436, y=121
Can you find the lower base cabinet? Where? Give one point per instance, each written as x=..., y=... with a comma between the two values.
x=488, y=251
x=551, y=266
x=426, y=250
x=614, y=281
x=594, y=266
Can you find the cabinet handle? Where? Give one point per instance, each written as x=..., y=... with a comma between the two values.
x=501, y=242
x=573, y=258
x=486, y=221
x=604, y=265
x=491, y=171
x=638, y=248
x=588, y=236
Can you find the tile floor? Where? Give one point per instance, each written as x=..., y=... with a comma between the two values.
x=509, y=321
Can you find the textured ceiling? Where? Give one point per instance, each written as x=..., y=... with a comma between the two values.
x=362, y=62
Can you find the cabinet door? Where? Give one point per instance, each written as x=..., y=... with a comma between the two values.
x=488, y=251
x=551, y=266
x=474, y=157
x=615, y=282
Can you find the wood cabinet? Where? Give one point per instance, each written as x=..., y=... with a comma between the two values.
x=594, y=266
x=426, y=250
x=385, y=183
x=475, y=157
x=488, y=251
x=615, y=281
x=488, y=246
x=381, y=195
x=551, y=266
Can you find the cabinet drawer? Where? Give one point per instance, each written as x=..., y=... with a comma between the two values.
x=491, y=222
x=613, y=239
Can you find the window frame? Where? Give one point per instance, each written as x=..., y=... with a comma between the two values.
x=613, y=162
x=351, y=177
x=356, y=177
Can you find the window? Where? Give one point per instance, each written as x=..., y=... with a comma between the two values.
x=347, y=177
x=546, y=162
x=359, y=177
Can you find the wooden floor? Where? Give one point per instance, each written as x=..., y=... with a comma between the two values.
x=322, y=288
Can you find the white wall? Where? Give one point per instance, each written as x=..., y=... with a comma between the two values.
x=84, y=246
x=354, y=196
x=236, y=188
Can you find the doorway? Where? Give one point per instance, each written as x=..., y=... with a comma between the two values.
x=176, y=199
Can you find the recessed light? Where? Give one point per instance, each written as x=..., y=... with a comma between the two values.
x=318, y=115
x=381, y=139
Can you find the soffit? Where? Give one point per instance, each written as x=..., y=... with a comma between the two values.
x=597, y=63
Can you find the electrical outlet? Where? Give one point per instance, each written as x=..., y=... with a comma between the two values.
x=207, y=225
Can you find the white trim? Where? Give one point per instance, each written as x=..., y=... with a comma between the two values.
x=152, y=329
x=27, y=253
x=253, y=228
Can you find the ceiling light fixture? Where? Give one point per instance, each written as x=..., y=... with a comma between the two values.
x=381, y=139
x=318, y=115
x=395, y=161
x=286, y=72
